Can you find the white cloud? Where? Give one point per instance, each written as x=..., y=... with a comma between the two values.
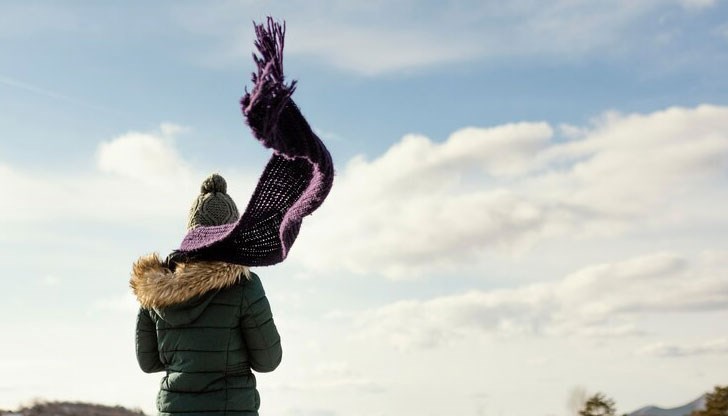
x=87, y=197
x=147, y=157
x=598, y=301
x=422, y=206
x=662, y=349
x=140, y=177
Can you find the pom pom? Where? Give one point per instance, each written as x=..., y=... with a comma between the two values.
x=214, y=183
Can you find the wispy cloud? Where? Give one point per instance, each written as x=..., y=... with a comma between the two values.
x=698, y=4
x=49, y=93
x=382, y=38
x=334, y=376
x=30, y=18
x=662, y=349
x=597, y=301
x=51, y=280
x=371, y=51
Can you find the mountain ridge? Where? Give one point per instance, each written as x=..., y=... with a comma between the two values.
x=684, y=410
x=60, y=408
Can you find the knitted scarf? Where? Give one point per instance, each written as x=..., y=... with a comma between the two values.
x=294, y=183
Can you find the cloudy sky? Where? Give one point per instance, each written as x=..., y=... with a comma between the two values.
x=529, y=204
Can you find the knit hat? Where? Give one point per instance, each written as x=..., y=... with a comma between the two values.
x=214, y=206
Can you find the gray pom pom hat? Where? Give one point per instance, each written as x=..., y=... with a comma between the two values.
x=214, y=206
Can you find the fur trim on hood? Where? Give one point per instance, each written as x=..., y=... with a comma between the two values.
x=156, y=286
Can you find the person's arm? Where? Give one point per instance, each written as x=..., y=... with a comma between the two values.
x=259, y=331
x=146, y=344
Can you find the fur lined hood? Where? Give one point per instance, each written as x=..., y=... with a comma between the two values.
x=156, y=286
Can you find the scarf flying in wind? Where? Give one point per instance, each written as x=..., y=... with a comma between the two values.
x=294, y=183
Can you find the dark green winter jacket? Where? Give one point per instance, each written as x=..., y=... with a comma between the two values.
x=207, y=324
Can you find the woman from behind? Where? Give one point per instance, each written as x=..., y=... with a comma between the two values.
x=207, y=324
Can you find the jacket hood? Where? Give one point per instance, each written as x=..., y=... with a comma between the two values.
x=184, y=293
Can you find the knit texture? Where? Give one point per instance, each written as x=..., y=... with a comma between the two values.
x=294, y=183
x=213, y=206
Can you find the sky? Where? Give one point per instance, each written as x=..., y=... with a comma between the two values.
x=529, y=203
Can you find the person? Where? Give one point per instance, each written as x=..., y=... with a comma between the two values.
x=208, y=324
x=204, y=317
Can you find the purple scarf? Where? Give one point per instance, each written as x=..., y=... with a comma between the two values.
x=295, y=182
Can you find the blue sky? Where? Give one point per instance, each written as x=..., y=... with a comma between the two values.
x=529, y=196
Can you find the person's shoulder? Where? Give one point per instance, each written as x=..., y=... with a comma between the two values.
x=252, y=286
x=252, y=281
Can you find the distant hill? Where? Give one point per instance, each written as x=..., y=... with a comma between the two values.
x=685, y=410
x=88, y=409
x=71, y=409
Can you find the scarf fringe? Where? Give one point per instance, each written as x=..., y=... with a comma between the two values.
x=263, y=106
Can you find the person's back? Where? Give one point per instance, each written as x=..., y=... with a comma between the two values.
x=207, y=324
x=211, y=325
